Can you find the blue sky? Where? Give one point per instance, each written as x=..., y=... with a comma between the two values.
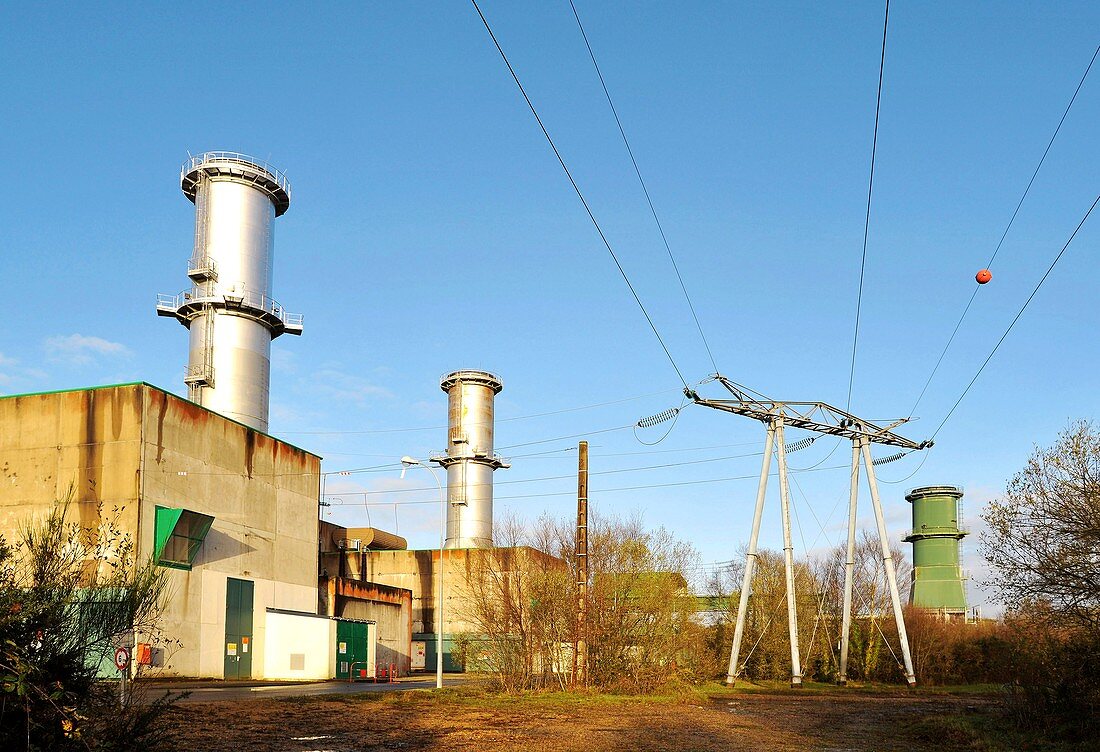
x=431, y=229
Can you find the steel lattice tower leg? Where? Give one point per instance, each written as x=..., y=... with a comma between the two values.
x=849, y=567
x=888, y=562
x=788, y=555
x=750, y=560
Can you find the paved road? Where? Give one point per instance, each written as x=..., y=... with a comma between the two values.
x=231, y=692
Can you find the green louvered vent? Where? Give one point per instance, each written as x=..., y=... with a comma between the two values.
x=179, y=533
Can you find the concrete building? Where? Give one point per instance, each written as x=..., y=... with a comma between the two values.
x=464, y=571
x=345, y=591
x=228, y=511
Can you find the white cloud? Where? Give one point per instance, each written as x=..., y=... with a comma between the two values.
x=78, y=349
x=341, y=386
x=17, y=377
x=284, y=361
x=7, y=367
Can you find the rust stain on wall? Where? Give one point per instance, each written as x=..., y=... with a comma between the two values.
x=160, y=425
x=89, y=461
x=372, y=591
x=249, y=451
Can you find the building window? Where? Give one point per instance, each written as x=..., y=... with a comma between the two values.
x=179, y=534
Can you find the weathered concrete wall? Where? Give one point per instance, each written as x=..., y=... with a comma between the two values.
x=84, y=446
x=126, y=449
x=263, y=496
x=390, y=607
x=418, y=572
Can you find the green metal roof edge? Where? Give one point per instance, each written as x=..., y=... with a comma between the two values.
x=162, y=390
x=75, y=389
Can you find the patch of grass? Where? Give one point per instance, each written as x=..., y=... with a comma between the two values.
x=481, y=697
x=951, y=732
x=718, y=689
x=985, y=731
x=961, y=689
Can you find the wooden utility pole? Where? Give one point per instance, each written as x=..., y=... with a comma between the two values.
x=580, y=652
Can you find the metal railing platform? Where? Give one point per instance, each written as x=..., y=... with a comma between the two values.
x=190, y=303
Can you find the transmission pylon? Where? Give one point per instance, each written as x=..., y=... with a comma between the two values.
x=824, y=419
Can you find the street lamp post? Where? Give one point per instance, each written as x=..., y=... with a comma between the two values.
x=413, y=462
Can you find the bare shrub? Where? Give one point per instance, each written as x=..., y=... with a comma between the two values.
x=66, y=592
x=641, y=628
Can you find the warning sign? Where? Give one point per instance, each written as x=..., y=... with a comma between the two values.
x=244, y=644
x=343, y=648
x=231, y=648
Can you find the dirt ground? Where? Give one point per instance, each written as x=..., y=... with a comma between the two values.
x=469, y=720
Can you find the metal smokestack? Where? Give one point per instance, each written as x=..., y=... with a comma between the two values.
x=229, y=310
x=470, y=460
x=938, y=580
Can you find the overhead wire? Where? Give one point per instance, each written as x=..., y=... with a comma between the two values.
x=617, y=471
x=1011, y=220
x=546, y=454
x=1016, y=318
x=569, y=436
x=685, y=449
x=916, y=470
x=821, y=532
x=802, y=537
x=570, y=493
x=823, y=459
x=645, y=189
x=580, y=195
x=496, y=420
x=797, y=446
x=867, y=217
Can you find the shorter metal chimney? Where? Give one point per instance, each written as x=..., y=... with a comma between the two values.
x=470, y=459
x=938, y=580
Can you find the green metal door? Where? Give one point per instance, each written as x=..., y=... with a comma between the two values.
x=238, y=628
x=352, y=649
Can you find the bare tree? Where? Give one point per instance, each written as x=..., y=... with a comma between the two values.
x=641, y=611
x=520, y=608
x=1043, y=541
x=641, y=629
x=766, y=652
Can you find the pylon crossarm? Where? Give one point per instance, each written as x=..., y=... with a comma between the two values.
x=819, y=417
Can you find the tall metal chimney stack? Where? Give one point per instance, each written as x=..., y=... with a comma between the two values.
x=229, y=310
x=470, y=459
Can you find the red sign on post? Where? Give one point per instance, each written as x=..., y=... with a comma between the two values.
x=122, y=658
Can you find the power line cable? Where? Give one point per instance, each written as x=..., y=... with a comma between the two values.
x=916, y=470
x=580, y=195
x=570, y=436
x=867, y=217
x=686, y=449
x=1017, y=318
x=1004, y=234
x=497, y=420
x=641, y=181
x=618, y=471
x=566, y=493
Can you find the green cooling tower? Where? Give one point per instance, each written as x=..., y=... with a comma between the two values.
x=937, y=577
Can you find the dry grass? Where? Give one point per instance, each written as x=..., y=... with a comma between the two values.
x=469, y=718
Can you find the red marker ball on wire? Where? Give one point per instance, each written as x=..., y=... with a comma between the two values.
x=983, y=276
